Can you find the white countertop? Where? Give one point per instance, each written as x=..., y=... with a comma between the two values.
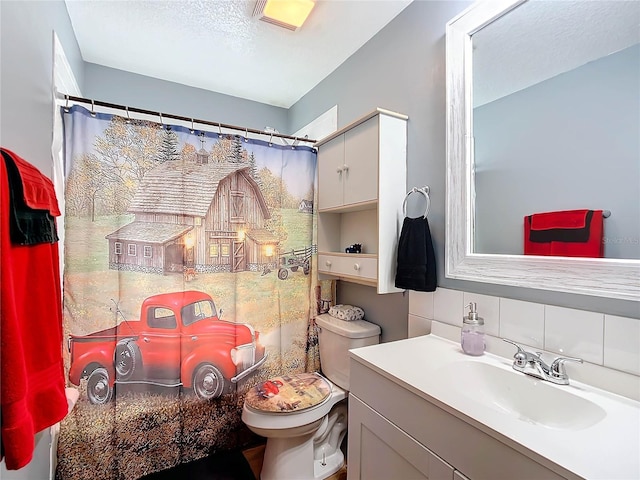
x=607, y=450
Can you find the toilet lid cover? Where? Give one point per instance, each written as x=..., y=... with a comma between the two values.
x=289, y=393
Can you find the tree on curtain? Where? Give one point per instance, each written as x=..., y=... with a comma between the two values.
x=189, y=261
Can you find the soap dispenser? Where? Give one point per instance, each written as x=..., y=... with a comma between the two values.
x=472, y=336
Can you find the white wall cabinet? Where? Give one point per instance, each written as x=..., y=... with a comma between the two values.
x=361, y=186
x=395, y=433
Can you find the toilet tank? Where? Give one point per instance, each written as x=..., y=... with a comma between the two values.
x=335, y=338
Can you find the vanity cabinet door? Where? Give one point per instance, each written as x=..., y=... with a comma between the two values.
x=378, y=450
x=330, y=173
x=458, y=476
x=458, y=443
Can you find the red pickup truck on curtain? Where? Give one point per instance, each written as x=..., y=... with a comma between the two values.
x=179, y=340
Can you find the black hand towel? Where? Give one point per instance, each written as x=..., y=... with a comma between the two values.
x=416, y=269
x=28, y=226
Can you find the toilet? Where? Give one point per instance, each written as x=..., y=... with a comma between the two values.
x=304, y=416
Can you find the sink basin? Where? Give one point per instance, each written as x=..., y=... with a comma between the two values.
x=518, y=395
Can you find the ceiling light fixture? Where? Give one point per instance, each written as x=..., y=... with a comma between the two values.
x=290, y=14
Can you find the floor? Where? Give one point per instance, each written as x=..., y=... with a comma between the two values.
x=226, y=466
x=222, y=466
x=255, y=455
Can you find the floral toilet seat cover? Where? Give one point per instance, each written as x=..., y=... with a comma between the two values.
x=289, y=393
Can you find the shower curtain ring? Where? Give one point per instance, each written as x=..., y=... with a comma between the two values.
x=161, y=123
x=93, y=108
x=66, y=107
x=128, y=120
x=246, y=134
x=270, y=137
x=192, y=130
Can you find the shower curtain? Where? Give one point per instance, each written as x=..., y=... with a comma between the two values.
x=188, y=279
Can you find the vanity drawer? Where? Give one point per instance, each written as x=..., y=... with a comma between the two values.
x=476, y=454
x=352, y=266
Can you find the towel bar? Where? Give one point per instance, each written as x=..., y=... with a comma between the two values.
x=424, y=191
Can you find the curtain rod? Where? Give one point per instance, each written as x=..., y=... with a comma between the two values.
x=162, y=115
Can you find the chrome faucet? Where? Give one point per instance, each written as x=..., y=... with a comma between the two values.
x=532, y=364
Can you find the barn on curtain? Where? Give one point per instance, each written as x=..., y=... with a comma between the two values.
x=188, y=278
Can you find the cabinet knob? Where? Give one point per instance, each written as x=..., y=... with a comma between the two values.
x=338, y=170
x=356, y=266
x=345, y=168
x=328, y=263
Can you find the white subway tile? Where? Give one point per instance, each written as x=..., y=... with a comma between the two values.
x=418, y=326
x=610, y=345
x=609, y=379
x=488, y=308
x=496, y=346
x=622, y=343
x=421, y=304
x=522, y=322
x=448, y=306
x=444, y=330
x=574, y=333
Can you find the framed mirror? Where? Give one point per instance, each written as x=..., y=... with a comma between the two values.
x=498, y=54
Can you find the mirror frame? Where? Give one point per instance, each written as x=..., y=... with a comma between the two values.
x=613, y=278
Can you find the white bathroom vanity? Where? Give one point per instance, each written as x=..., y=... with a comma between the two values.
x=422, y=409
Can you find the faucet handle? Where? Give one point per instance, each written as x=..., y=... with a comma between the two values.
x=520, y=357
x=520, y=349
x=557, y=370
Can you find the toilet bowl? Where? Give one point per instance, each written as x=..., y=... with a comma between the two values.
x=304, y=444
x=304, y=416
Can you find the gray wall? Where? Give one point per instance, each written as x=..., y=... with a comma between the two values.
x=26, y=50
x=569, y=142
x=125, y=88
x=403, y=69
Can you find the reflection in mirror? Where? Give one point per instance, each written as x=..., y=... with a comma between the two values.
x=556, y=125
x=543, y=116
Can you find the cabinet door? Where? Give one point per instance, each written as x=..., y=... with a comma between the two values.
x=378, y=450
x=330, y=173
x=361, y=151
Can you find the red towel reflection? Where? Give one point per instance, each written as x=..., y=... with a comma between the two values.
x=568, y=233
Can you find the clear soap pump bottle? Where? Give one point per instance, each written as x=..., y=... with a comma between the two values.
x=472, y=336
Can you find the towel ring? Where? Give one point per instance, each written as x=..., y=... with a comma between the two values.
x=424, y=191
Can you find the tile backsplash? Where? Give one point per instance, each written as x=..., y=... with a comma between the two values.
x=522, y=322
x=609, y=345
x=574, y=333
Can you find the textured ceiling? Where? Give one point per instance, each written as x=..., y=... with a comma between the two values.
x=219, y=46
x=541, y=39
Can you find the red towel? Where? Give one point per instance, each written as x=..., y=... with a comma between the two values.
x=32, y=384
x=568, y=233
